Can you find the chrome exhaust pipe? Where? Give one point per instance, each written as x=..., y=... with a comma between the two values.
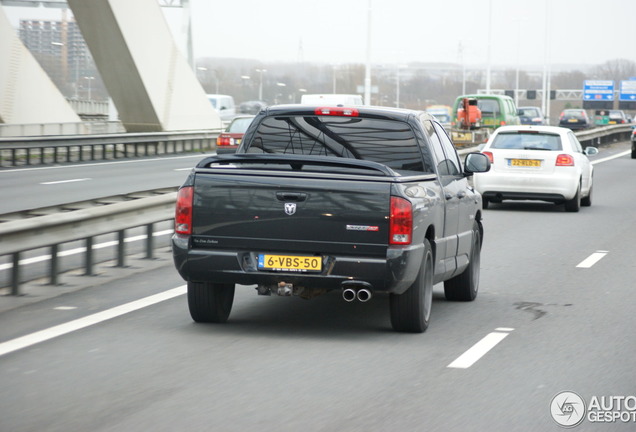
x=349, y=294
x=364, y=295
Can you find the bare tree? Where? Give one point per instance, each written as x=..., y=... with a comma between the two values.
x=616, y=70
x=568, y=80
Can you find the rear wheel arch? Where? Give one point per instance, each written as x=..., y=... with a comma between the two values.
x=430, y=236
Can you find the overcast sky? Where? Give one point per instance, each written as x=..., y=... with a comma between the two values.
x=580, y=32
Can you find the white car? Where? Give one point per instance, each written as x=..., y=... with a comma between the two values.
x=544, y=163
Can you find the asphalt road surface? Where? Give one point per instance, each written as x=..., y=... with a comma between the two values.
x=555, y=313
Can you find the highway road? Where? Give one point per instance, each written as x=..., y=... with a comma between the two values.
x=555, y=313
x=36, y=187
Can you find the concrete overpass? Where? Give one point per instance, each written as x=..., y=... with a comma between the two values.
x=151, y=84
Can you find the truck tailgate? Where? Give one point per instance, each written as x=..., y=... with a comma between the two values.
x=291, y=213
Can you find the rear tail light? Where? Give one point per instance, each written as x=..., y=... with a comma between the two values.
x=502, y=123
x=490, y=156
x=183, y=212
x=400, y=222
x=224, y=141
x=337, y=111
x=564, y=160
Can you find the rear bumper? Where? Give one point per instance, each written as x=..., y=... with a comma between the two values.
x=394, y=273
x=499, y=196
x=519, y=186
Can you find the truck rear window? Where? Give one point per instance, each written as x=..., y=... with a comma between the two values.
x=389, y=142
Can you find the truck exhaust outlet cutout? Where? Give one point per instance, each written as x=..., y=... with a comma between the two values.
x=364, y=295
x=349, y=294
x=356, y=290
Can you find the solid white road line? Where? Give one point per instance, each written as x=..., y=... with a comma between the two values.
x=78, y=324
x=616, y=156
x=66, y=181
x=592, y=259
x=480, y=349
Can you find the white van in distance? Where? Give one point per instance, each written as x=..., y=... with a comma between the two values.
x=224, y=105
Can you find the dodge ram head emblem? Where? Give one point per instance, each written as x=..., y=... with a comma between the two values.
x=290, y=208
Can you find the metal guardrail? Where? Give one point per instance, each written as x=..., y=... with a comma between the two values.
x=21, y=151
x=605, y=134
x=52, y=230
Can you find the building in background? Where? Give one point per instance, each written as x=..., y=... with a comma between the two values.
x=61, y=51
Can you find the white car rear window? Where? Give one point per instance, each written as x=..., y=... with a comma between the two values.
x=527, y=141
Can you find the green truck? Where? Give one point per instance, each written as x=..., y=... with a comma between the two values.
x=496, y=110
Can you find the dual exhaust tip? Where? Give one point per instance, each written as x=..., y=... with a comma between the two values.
x=359, y=293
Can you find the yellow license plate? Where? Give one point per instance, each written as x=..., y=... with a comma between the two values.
x=572, y=120
x=525, y=162
x=292, y=263
x=489, y=122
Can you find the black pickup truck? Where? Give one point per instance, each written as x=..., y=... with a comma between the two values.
x=363, y=200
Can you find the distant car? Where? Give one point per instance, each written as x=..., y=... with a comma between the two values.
x=575, y=119
x=545, y=163
x=530, y=115
x=617, y=117
x=251, y=107
x=224, y=105
x=229, y=140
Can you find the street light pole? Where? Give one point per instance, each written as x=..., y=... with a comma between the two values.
x=546, y=97
x=367, y=73
x=489, y=49
x=260, y=84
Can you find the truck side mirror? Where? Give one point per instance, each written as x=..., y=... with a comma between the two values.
x=476, y=163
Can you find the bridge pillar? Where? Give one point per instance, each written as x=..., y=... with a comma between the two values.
x=27, y=94
x=150, y=82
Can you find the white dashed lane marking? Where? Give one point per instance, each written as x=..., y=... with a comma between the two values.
x=66, y=181
x=592, y=259
x=480, y=349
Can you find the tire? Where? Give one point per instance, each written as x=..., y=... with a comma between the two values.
x=587, y=201
x=574, y=204
x=633, y=150
x=484, y=203
x=464, y=286
x=210, y=302
x=411, y=310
